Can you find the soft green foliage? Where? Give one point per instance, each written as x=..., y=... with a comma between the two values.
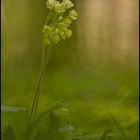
x=87, y=116
x=57, y=22
x=55, y=123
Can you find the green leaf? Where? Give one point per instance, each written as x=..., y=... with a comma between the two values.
x=48, y=123
x=11, y=109
x=9, y=134
x=16, y=117
x=106, y=134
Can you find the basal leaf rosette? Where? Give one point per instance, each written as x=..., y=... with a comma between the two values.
x=60, y=17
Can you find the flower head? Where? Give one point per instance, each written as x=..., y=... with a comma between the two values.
x=59, y=21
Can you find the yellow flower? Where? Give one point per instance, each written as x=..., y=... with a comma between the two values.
x=67, y=3
x=67, y=21
x=51, y=4
x=73, y=14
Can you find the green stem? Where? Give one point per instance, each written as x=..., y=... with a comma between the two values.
x=37, y=92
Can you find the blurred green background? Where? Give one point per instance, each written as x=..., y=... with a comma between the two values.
x=96, y=69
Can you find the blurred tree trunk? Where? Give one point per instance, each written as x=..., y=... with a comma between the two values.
x=109, y=28
x=22, y=24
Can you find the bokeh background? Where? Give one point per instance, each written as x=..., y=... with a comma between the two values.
x=96, y=69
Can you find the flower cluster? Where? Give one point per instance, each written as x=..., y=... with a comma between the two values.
x=58, y=22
